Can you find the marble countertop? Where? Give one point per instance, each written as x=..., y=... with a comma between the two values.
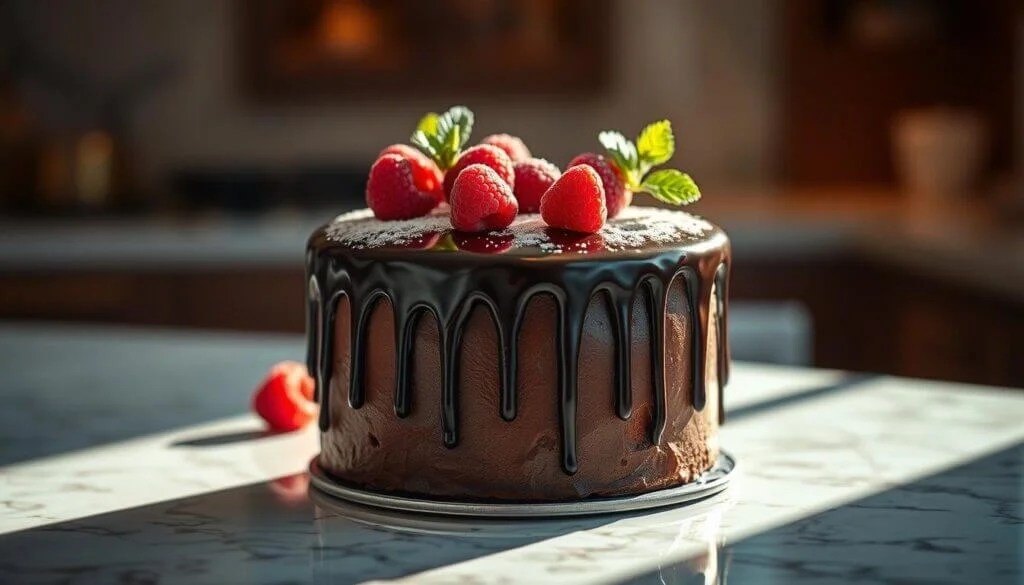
x=957, y=240
x=126, y=456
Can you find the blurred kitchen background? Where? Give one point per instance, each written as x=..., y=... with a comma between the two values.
x=162, y=161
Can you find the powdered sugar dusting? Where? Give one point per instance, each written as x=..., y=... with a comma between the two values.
x=634, y=228
x=527, y=231
x=359, y=229
x=639, y=226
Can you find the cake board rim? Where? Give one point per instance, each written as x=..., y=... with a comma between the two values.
x=711, y=482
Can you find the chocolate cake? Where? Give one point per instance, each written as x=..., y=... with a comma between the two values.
x=527, y=364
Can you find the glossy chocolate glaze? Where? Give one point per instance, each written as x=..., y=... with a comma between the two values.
x=438, y=274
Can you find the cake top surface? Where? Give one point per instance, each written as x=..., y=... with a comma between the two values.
x=636, y=228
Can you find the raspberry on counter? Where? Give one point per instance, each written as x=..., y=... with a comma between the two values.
x=285, y=398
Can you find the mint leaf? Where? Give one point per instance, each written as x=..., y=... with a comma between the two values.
x=441, y=137
x=425, y=136
x=621, y=148
x=656, y=144
x=428, y=124
x=463, y=118
x=426, y=143
x=671, y=186
x=624, y=154
x=459, y=117
x=450, y=149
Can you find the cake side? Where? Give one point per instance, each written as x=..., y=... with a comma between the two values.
x=551, y=373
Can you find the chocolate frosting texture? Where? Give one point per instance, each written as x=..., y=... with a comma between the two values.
x=446, y=290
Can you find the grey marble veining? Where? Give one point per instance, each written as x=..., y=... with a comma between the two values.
x=945, y=528
x=962, y=525
x=843, y=478
x=71, y=387
x=273, y=533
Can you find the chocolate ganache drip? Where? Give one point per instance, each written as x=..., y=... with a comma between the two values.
x=422, y=273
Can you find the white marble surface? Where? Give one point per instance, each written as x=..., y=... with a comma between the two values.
x=843, y=478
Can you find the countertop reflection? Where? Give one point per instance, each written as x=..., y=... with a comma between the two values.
x=842, y=478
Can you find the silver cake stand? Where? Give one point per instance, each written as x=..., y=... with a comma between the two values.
x=710, y=483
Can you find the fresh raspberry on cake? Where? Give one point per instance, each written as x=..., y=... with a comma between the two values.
x=576, y=202
x=533, y=178
x=481, y=200
x=617, y=195
x=398, y=188
x=481, y=154
x=513, y=146
x=405, y=151
x=425, y=170
x=285, y=398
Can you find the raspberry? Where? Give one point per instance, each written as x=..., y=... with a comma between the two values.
x=533, y=177
x=481, y=200
x=576, y=201
x=397, y=190
x=483, y=154
x=425, y=171
x=285, y=398
x=617, y=196
x=513, y=146
x=404, y=151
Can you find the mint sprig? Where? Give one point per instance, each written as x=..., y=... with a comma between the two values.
x=623, y=152
x=442, y=136
x=654, y=146
x=671, y=186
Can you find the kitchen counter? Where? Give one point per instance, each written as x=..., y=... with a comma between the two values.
x=128, y=457
x=954, y=241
